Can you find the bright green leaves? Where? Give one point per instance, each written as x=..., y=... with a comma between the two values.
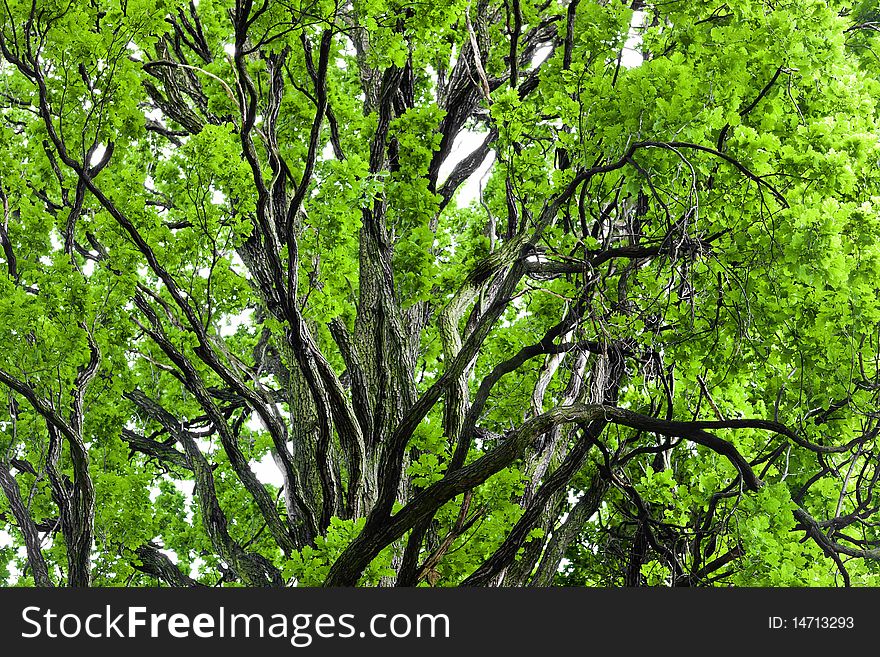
x=426, y=470
x=196, y=235
x=396, y=31
x=388, y=47
x=723, y=302
x=94, y=102
x=330, y=242
x=413, y=206
x=774, y=554
x=601, y=27
x=658, y=487
x=417, y=137
x=209, y=173
x=42, y=344
x=309, y=566
x=416, y=263
x=506, y=112
x=494, y=508
x=431, y=453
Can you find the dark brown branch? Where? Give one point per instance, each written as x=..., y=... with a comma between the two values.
x=153, y=562
x=27, y=527
x=195, y=385
x=512, y=59
x=507, y=551
x=350, y=564
x=161, y=452
x=566, y=534
x=253, y=569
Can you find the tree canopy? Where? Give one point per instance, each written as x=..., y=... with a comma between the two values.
x=478, y=292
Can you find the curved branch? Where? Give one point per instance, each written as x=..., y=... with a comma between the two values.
x=347, y=569
x=27, y=527
x=153, y=562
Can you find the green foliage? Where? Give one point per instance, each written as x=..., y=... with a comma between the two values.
x=309, y=566
x=233, y=251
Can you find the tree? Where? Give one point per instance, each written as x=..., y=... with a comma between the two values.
x=639, y=347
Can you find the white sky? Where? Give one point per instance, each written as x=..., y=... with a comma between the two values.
x=632, y=56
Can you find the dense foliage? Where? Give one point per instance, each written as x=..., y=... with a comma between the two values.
x=520, y=292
